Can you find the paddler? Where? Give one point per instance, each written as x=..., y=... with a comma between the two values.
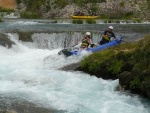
x=107, y=36
x=86, y=41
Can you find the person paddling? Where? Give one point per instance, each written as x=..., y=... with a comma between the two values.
x=86, y=41
x=107, y=35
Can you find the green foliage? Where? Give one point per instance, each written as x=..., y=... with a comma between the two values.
x=61, y=3
x=93, y=9
x=118, y=15
x=104, y=16
x=90, y=21
x=138, y=20
x=110, y=21
x=88, y=1
x=29, y=15
x=79, y=3
x=122, y=4
x=0, y=20
x=18, y=1
x=118, y=59
x=97, y=61
x=141, y=55
x=116, y=66
x=36, y=5
x=122, y=15
x=33, y=5
x=127, y=15
x=6, y=10
x=135, y=1
x=135, y=84
x=82, y=3
x=79, y=21
x=148, y=4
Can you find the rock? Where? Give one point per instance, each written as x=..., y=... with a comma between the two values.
x=145, y=88
x=8, y=111
x=21, y=7
x=5, y=41
x=124, y=79
x=71, y=67
x=19, y=105
x=25, y=36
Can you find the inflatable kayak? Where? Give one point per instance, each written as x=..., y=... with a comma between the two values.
x=84, y=17
x=77, y=51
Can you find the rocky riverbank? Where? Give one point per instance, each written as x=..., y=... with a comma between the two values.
x=109, y=8
x=64, y=9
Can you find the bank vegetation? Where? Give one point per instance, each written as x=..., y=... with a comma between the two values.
x=105, y=9
x=128, y=62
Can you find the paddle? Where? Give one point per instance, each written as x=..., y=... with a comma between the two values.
x=77, y=45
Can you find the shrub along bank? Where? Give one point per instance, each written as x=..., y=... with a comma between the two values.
x=128, y=62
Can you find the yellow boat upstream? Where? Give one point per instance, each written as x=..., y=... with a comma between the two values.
x=84, y=17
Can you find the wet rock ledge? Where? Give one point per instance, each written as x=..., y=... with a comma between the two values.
x=18, y=105
x=5, y=41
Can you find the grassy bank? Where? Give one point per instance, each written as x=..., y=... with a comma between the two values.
x=6, y=10
x=130, y=62
x=29, y=15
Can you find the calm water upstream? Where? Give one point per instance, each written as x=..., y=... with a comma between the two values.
x=29, y=71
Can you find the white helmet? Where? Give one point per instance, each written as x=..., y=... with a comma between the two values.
x=110, y=27
x=88, y=33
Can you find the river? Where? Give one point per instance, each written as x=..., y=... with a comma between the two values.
x=31, y=82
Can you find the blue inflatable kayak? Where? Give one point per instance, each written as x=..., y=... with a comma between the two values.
x=69, y=52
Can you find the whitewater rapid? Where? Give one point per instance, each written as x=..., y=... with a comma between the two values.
x=33, y=74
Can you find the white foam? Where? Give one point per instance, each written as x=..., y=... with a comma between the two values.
x=33, y=74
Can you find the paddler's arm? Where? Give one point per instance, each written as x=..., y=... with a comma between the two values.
x=113, y=35
x=90, y=41
x=105, y=37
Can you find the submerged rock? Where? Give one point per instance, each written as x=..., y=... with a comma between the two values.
x=71, y=67
x=18, y=105
x=124, y=79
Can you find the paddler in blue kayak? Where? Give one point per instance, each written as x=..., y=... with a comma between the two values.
x=86, y=41
x=107, y=36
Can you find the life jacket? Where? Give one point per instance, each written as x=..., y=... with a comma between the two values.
x=85, y=42
x=108, y=36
